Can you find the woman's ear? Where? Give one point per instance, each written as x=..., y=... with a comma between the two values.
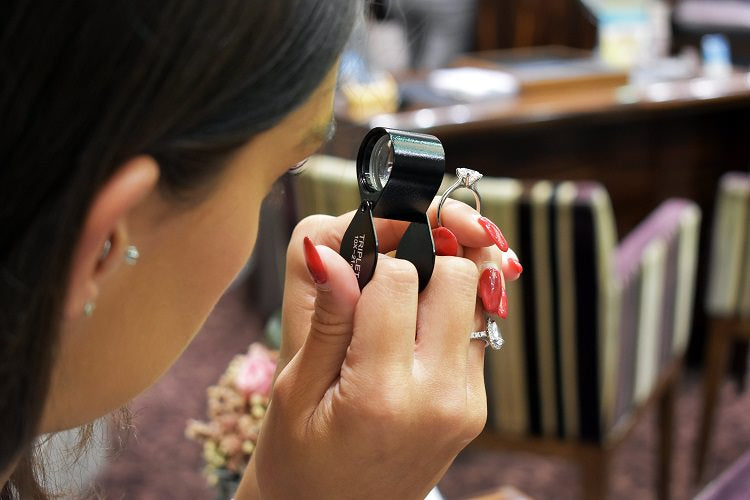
x=104, y=236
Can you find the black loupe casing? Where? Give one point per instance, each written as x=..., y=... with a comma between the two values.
x=399, y=174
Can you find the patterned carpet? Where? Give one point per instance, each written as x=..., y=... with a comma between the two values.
x=160, y=463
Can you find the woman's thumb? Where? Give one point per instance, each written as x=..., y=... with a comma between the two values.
x=320, y=358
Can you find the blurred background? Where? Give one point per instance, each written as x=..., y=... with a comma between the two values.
x=612, y=130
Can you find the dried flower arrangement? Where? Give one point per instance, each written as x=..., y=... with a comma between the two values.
x=236, y=407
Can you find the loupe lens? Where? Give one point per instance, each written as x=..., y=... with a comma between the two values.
x=381, y=164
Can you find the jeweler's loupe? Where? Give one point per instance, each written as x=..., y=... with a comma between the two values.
x=399, y=174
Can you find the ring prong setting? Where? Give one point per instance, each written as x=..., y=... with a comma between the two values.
x=491, y=336
x=495, y=338
x=468, y=177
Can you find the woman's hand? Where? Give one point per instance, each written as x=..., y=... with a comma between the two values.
x=380, y=389
x=463, y=235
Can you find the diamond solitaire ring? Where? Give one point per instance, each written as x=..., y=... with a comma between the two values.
x=491, y=336
x=467, y=179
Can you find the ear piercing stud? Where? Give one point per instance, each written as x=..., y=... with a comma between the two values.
x=131, y=258
x=106, y=249
x=132, y=255
x=88, y=308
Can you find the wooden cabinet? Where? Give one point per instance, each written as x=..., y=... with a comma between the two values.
x=504, y=24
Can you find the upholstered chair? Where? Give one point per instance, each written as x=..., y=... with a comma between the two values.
x=727, y=297
x=596, y=331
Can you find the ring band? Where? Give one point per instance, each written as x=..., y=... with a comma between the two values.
x=491, y=336
x=468, y=179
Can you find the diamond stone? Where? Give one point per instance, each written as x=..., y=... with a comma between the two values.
x=468, y=176
x=496, y=339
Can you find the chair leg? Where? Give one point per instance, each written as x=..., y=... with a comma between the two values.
x=595, y=474
x=716, y=358
x=666, y=438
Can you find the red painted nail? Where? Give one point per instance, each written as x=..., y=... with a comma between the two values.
x=489, y=289
x=314, y=263
x=494, y=232
x=445, y=242
x=517, y=267
x=502, y=309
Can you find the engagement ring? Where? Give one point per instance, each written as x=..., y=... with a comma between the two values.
x=491, y=336
x=467, y=179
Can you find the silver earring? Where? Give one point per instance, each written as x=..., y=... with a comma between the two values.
x=132, y=255
x=88, y=308
x=106, y=249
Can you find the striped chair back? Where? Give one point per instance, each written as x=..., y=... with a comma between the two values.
x=546, y=380
x=655, y=270
x=728, y=292
x=591, y=324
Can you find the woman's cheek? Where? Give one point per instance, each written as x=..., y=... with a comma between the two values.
x=233, y=242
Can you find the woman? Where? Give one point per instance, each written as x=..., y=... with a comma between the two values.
x=139, y=139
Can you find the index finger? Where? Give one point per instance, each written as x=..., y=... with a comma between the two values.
x=463, y=221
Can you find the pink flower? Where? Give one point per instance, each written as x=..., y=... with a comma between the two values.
x=226, y=423
x=230, y=445
x=255, y=373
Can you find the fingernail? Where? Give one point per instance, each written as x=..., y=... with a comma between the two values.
x=516, y=265
x=314, y=263
x=494, y=232
x=445, y=242
x=502, y=309
x=489, y=289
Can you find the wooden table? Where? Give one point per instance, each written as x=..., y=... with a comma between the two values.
x=644, y=144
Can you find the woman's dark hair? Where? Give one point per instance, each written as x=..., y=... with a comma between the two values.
x=87, y=84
